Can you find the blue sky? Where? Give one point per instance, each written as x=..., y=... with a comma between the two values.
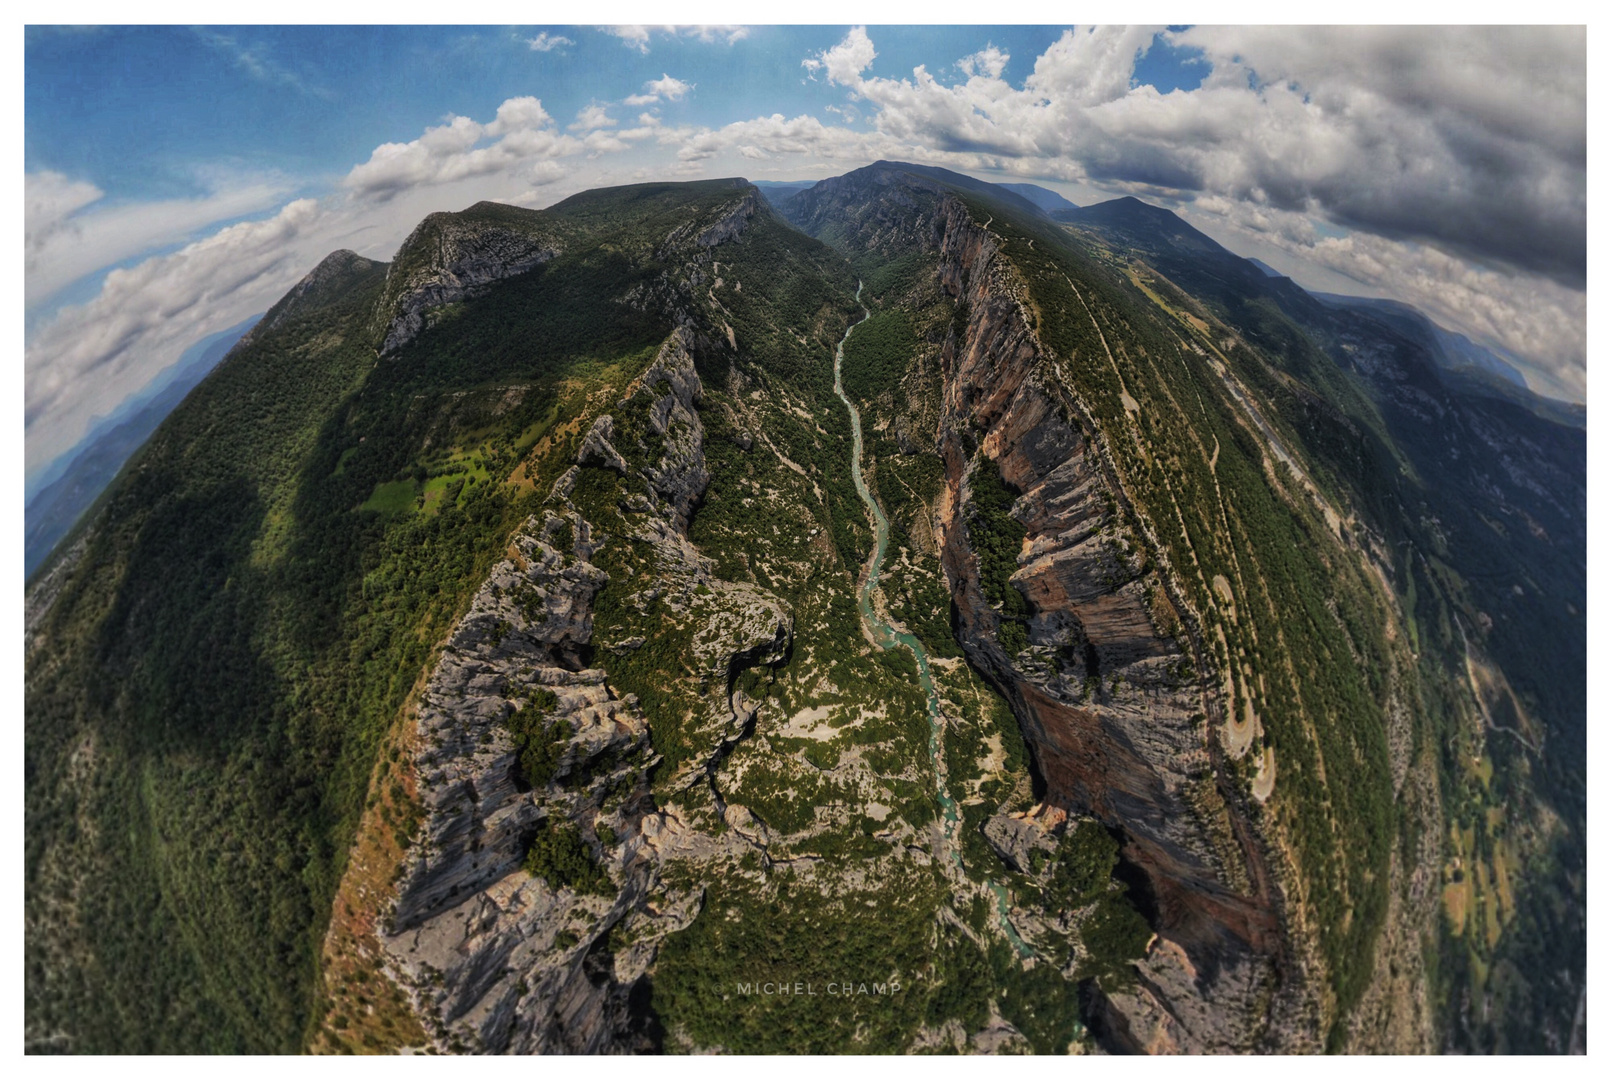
x=153, y=112
x=178, y=179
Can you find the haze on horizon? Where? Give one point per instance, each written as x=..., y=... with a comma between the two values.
x=178, y=180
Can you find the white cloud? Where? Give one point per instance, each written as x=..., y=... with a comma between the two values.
x=69, y=233
x=94, y=355
x=728, y=34
x=1472, y=138
x=664, y=88
x=519, y=114
x=593, y=116
x=522, y=134
x=845, y=62
x=638, y=37
x=546, y=42
x=48, y=198
x=988, y=63
x=667, y=87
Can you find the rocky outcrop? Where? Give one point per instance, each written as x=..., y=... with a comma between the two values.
x=740, y=624
x=496, y=959
x=1115, y=710
x=493, y=958
x=730, y=222
x=451, y=257
x=1018, y=839
x=596, y=448
x=679, y=477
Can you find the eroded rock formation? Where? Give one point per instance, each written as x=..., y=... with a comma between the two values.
x=447, y=258
x=1112, y=706
x=494, y=958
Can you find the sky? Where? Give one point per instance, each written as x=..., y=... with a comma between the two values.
x=179, y=179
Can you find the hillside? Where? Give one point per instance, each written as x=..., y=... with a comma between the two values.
x=71, y=484
x=1050, y=634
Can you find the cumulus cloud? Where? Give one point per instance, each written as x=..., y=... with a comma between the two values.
x=68, y=234
x=844, y=63
x=635, y=36
x=523, y=134
x=1472, y=138
x=546, y=42
x=93, y=355
x=804, y=136
x=664, y=88
x=593, y=116
x=669, y=88
x=988, y=63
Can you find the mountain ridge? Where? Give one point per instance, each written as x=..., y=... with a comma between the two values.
x=527, y=568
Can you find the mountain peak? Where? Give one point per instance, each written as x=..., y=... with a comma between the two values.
x=324, y=282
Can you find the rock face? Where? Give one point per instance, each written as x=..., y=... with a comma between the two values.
x=1111, y=706
x=1016, y=838
x=728, y=225
x=495, y=959
x=449, y=257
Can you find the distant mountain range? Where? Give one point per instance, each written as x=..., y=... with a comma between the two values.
x=1456, y=351
x=1045, y=198
x=1193, y=259
x=779, y=192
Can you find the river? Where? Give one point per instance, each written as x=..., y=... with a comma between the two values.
x=887, y=637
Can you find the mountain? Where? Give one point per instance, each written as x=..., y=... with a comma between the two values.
x=778, y=192
x=1266, y=268
x=1454, y=351
x=1477, y=487
x=72, y=483
x=192, y=365
x=1045, y=198
x=1025, y=634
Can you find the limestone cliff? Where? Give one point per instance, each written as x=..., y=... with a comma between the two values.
x=1113, y=690
x=493, y=958
x=449, y=257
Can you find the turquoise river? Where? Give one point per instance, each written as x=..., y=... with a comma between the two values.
x=887, y=636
